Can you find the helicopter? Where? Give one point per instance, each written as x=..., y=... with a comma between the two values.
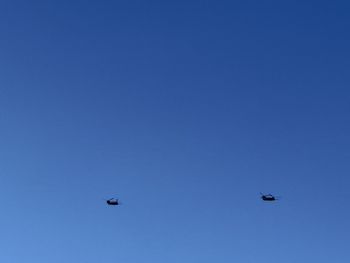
x=268, y=197
x=113, y=201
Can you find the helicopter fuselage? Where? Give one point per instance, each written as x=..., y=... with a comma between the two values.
x=268, y=198
x=112, y=202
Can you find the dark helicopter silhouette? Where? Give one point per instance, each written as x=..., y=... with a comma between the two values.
x=268, y=197
x=113, y=201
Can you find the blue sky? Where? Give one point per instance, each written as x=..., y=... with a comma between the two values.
x=185, y=110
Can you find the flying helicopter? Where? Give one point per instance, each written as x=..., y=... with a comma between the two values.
x=113, y=201
x=268, y=197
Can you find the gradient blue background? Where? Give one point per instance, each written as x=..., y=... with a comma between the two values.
x=185, y=110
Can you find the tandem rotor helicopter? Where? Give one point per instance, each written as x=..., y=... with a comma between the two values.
x=268, y=197
x=113, y=201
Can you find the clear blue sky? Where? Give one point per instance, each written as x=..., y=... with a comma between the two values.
x=185, y=110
